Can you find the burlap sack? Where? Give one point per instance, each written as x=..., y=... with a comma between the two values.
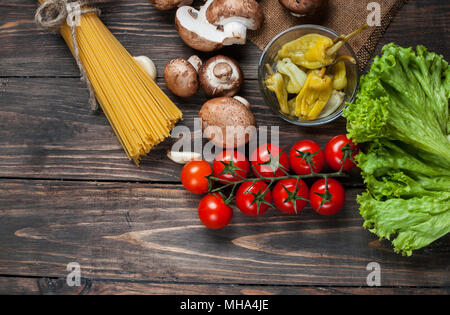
x=342, y=16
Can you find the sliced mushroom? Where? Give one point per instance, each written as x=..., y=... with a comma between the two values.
x=221, y=76
x=181, y=78
x=218, y=23
x=197, y=33
x=227, y=122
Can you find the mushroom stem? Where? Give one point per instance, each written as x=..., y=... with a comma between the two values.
x=242, y=100
x=223, y=71
x=342, y=39
x=221, y=76
x=195, y=61
x=238, y=33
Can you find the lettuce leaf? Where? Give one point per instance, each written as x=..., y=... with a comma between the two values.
x=404, y=97
x=401, y=118
x=409, y=223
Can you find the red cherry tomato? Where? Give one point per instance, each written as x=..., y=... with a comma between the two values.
x=334, y=153
x=230, y=166
x=193, y=176
x=246, y=201
x=270, y=161
x=308, y=148
x=288, y=191
x=213, y=212
x=335, y=199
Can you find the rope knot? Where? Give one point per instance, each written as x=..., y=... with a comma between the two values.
x=53, y=14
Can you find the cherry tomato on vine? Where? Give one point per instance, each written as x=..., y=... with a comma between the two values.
x=213, y=212
x=288, y=192
x=302, y=150
x=327, y=203
x=270, y=161
x=334, y=153
x=230, y=166
x=253, y=199
x=193, y=176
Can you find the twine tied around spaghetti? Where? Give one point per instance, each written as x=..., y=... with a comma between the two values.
x=52, y=14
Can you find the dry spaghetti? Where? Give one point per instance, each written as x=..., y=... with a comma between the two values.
x=138, y=110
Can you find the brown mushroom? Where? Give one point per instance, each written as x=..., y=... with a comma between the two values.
x=221, y=76
x=218, y=23
x=234, y=15
x=304, y=7
x=181, y=76
x=227, y=122
x=169, y=4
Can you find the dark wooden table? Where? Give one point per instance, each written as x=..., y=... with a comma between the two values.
x=68, y=193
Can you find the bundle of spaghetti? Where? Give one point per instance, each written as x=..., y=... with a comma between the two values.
x=140, y=113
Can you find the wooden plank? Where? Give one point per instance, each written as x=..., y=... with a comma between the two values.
x=48, y=286
x=137, y=25
x=421, y=22
x=145, y=31
x=150, y=232
x=48, y=131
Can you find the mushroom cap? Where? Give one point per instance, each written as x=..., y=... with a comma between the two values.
x=197, y=35
x=303, y=7
x=227, y=122
x=221, y=76
x=181, y=78
x=169, y=4
x=246, y=12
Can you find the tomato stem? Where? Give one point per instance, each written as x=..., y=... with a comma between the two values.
x=273, y=161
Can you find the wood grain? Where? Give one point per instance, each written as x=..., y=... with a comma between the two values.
x=150, y=232
x=140, y=28
x=421, y=23
x=48, y=131
x=55, y=286
x=68, y=193
x=145, y=31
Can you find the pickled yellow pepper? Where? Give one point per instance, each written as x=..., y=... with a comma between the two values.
x=275, y=83
x=297, y=77
x=314, y=95
x=308, y=51
x=339, y=76
x=314, y=51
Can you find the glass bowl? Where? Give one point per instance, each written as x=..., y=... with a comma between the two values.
x=269, y=56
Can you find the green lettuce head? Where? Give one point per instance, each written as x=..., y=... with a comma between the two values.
x=401, y=119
